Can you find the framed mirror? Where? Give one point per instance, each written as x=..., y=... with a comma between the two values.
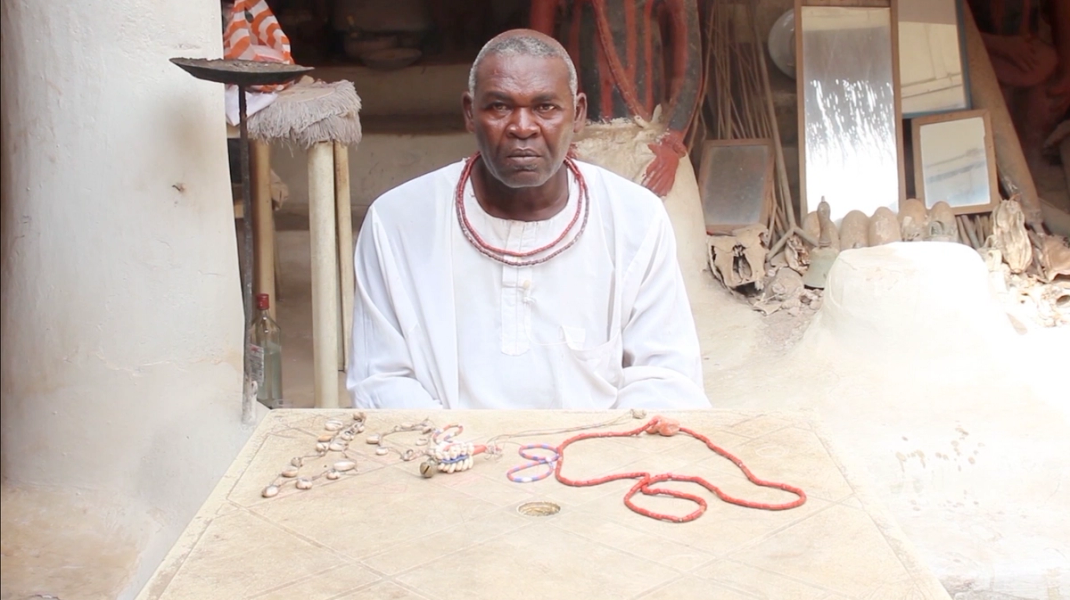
x=850, y=132
x=955, y=161
x=932, y=74
x=736, y=183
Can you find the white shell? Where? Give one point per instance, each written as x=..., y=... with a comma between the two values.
x=336, y=447
x=303, y=483
x=360, y=428
x=428, y=429
x=332, y=475
x=270, y=491
x=321, y=447
x=406, y=425
x=372, y=439
x=326, y=437
x=344, y=465
x=290, y=472
x=381, y=451
x=296, y=461
x=358, y=416
x=332, y=425
x=345, y=435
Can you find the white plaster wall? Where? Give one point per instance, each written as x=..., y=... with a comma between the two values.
x=121, y=306
x=415, y=90
x=382, y=161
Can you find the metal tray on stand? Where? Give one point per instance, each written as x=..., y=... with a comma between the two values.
x=243, y=73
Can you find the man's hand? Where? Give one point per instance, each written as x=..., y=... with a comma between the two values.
x=661, y=174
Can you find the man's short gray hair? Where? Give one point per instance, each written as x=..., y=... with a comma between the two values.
x=523, y=45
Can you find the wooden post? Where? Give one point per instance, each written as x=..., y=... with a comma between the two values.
x=344, y=214
x=985, y=92
x=263, y=223
x=897, y=98
x=321, y=217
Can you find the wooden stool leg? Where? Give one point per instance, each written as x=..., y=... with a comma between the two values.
x=321, y=216
x=347, y=279
x=263, y=223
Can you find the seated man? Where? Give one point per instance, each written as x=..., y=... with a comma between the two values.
x=521, y=278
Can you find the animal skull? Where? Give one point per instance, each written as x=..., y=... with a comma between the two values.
x=942, y=226
x=854, y=230
x=883, y=228
x=913, y=220
x=739, y=259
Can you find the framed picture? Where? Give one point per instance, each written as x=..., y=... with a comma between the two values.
x=850, y=118
x=955, y=161
x=932, y=73
x=736, y=183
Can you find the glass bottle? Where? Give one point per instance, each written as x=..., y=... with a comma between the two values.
x=265, y=354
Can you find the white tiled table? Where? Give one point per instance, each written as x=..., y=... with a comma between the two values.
x=386, y=532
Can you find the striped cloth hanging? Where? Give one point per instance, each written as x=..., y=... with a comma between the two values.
x=254, y=34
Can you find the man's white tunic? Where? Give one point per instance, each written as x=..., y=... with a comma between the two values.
x=605, y=324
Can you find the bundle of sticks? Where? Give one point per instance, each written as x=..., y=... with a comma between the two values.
x=974, y=229
x=737, y=101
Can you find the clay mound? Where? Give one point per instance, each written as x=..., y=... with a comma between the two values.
x=921, y=302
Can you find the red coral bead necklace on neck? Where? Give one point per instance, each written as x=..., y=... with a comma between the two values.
x=510, y=257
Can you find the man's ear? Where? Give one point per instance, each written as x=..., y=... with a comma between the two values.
x=580, y=118
x=469, y=118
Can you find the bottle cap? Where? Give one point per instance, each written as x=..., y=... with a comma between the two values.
x=263, y=301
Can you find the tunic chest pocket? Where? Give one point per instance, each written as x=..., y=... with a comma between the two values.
x=603, y=360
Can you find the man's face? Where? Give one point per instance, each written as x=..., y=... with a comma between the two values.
x=523, y=116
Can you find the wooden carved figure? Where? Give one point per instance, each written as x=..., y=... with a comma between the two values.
x=1033, y=68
